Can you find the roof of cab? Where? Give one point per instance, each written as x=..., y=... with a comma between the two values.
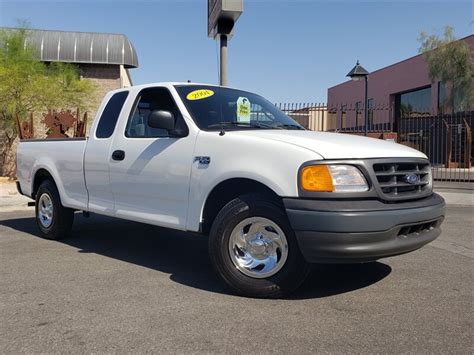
x=176, y=83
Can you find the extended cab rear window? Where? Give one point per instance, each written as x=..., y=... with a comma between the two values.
x=110, y=115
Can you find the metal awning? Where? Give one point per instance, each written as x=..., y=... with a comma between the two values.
x=83, y=47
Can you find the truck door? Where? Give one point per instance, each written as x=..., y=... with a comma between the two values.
x=149, y=170
x=96, y=156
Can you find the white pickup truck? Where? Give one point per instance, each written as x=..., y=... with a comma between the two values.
x=272, y=197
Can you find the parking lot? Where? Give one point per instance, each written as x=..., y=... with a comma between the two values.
x=117, y=286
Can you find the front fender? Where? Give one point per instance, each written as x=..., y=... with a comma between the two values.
x=272, y=163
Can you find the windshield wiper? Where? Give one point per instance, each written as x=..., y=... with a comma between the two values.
x=290, y=126
x=241, y=124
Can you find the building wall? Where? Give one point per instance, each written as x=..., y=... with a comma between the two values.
x=318, y=119
x=383, y=85
x=314, y=118
x=125, y=77
x=106, y=78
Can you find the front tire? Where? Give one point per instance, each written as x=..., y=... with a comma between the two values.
x=53, y=219
x=254, y=250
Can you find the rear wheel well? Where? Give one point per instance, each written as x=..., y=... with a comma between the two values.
x=40, y=176
x=225, y=192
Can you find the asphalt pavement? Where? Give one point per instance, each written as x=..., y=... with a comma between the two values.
x=118, y=286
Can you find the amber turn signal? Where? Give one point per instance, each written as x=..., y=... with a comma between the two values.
x=317, y=178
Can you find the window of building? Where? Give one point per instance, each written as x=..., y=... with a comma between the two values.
x=441, y=97
x=150, y=100
x=446, y=103
x=110, y=115
x=415, y=103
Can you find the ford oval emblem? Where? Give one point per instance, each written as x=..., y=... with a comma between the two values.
x=412, y=179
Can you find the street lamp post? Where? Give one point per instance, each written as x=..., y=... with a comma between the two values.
x=358, y=73
x=223, y=60
x=221, y=18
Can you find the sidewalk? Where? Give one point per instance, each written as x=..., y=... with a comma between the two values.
x=10, y=199
x=458, y=194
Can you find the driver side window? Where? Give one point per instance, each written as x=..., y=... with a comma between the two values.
x=149, y=100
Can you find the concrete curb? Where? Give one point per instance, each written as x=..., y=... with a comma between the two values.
x=457, y=197
x=10, y=199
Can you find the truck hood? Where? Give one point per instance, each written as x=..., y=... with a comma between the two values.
x=336, y=145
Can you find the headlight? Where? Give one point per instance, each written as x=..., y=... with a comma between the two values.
x=333, y=178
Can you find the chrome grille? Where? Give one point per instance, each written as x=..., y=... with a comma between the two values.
x=403, y=180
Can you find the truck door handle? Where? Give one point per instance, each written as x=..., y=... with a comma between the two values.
x=118, y=155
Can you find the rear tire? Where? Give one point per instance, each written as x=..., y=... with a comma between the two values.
x=53, y=219
x=254, y=250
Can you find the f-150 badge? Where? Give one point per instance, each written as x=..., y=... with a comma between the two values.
x=203, y=161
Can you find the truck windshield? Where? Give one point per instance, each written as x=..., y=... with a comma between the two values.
x=213, y=108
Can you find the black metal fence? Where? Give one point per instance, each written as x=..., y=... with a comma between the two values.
x=447, y=139
x=313, y=116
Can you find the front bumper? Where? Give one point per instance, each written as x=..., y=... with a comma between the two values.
x=341, y=231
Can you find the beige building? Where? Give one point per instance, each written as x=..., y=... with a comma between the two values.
x=104, y=58
x=315, y=118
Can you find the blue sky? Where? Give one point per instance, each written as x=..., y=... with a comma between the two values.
x=284, y=50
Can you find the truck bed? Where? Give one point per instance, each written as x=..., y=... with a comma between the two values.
x=67, y=158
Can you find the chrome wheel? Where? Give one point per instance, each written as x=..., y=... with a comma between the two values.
x=258, y=247
x=45, y=210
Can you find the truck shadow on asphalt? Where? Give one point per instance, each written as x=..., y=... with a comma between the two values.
x=185, y=257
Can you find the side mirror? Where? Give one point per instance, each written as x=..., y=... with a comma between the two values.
x=161, y=119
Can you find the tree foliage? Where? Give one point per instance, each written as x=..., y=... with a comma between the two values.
x=29, y=85
x=450, y=62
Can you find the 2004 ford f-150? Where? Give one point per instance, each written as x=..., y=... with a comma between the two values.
x=272, y=196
